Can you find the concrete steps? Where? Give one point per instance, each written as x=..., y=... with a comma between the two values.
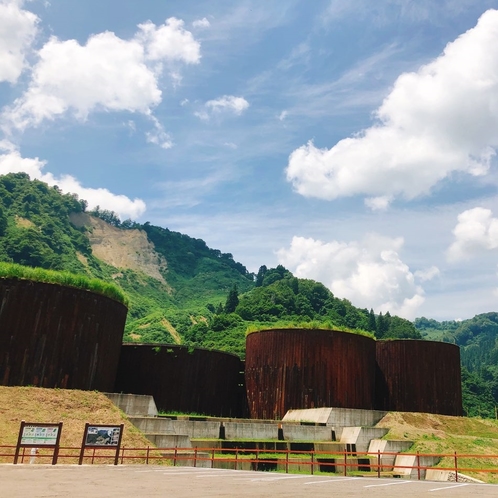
x=330, y=430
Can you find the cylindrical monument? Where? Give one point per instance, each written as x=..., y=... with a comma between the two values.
x=58, y=336
x=418, y=376
x=303, y=368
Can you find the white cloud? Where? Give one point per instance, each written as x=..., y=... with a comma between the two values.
x=18, y=29
x=369, y=273
x=201, y=23
x=427, y=274
x=475, y=232
x=227, y=103
x=385, y=12
x=158, y=136
x=437, y=121
x=107, y=74
x=12, y=162
x=378, y=203
x=283, y=115
x=170, y=41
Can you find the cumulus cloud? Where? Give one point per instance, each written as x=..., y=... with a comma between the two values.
x=18, y=29
x=11, y=161
x=201, y=23
x=107, y=73
x=427, y=274
x=369, y=273
x=475, y=232
x=225, y=104
x=437, y=121
x=170, y=41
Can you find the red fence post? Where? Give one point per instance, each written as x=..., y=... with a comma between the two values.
x=378, y=463
x=195, y=456
x=175, y=456
x=418, y=464
x=345, y=462
x=147, y=456
x=456, y=467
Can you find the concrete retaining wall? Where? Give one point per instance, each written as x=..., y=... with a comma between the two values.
x=391, y=448
x=340, y=417
x=170, y=440
x=293, y=432
x=404, y=465
x=134, y=404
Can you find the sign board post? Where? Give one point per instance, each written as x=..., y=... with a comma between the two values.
x=36, y=435
x=102, y=437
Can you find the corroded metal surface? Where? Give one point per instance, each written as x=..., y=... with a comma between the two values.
x=301, y=368
x=55, y=336
x=188, y=381
x=418, y=376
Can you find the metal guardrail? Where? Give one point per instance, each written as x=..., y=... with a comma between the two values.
x=345, y=463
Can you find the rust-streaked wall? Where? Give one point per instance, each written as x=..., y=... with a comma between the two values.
x=196, y=381
x=418, y=376
x=56, y=336
x=301, y=368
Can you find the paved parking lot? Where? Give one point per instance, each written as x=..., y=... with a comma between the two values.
x=44, y=481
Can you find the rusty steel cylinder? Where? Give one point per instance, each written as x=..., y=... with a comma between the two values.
x=303, y=368
x=58, y=336
x=195, y=381
x=418, y=376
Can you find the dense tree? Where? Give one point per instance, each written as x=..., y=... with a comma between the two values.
x=261, y=275
x=382, y=325
x=400, y=328
x=372, y=324
x=232, y=300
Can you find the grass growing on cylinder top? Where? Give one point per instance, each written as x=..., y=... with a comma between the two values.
x=313, y=325
x=11, y=270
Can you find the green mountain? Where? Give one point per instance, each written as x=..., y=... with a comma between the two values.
x=179, y=289
x=182, y=291
x=478, y=341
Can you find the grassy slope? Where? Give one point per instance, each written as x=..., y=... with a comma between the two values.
x=432, y=433
x=73, y=408
x=442, y=434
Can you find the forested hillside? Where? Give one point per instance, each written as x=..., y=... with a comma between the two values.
x=478, y=341
x=182, y=291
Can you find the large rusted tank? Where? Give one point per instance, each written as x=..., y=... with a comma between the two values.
x=418, y=376
x=57, y=336
x=185, y=380
x=301, y=368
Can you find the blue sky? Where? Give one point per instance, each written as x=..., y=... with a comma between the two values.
x=354, y=142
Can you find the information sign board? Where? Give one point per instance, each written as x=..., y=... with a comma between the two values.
x=98, y=435
x=34, y=435
x=39, y=436
x=102, y=436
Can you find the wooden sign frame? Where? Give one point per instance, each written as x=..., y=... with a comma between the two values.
x=99, y=436
x=38, y=438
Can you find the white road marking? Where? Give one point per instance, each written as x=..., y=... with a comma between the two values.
x=388, y=484
x=286, y=477
x=450, y=487
x=332, y=479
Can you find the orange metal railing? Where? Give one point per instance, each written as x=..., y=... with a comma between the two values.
x=345, y=463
